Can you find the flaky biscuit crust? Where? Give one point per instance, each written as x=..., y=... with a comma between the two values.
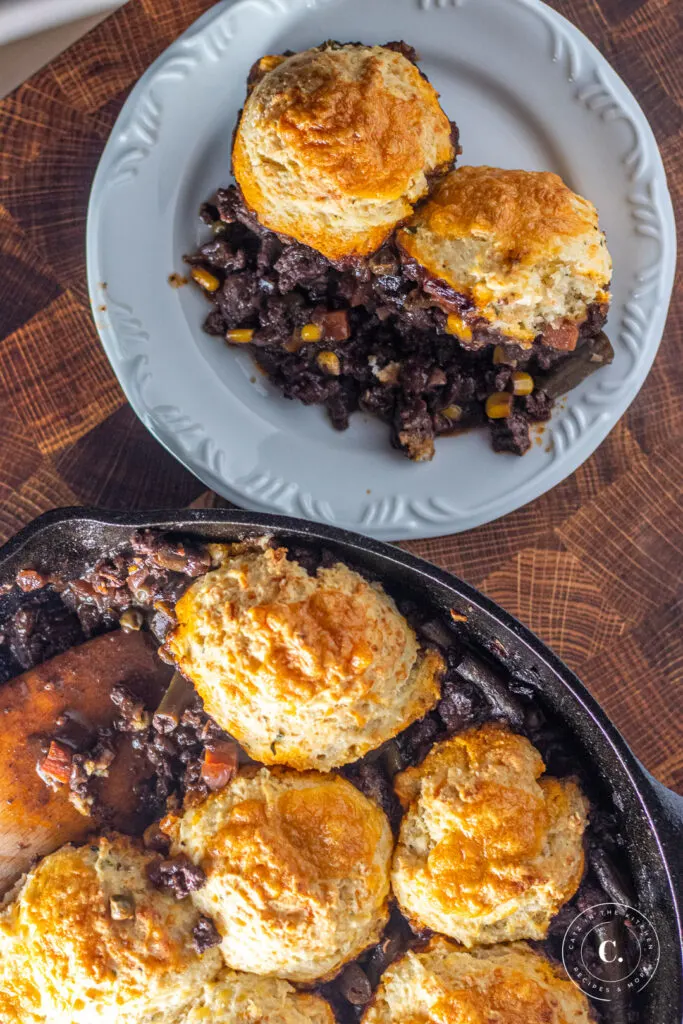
x=445, y=984
x=67, y=960
x=239, y=998
x=297, y=870
x=335, y=146
x=520, y=245
x=488, y=851
x=312, y=672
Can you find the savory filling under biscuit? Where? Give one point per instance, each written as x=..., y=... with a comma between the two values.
x=513, y=256
x=488, y=808
x=361, y=276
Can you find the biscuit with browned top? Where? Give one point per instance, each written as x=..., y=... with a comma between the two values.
x=297, y=870
x=488, y=851
x=520, y=246
x=86, y=938
x=239, y=998
x=508, y=984
x=335, y=146
x=307, y=671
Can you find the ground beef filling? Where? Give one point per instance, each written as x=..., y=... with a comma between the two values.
x=367, y=334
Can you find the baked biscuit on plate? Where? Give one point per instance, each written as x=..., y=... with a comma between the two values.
x=522, y=256
x=336, y=144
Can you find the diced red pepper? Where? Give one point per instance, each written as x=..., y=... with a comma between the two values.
x=56, y=766
x=219, y=764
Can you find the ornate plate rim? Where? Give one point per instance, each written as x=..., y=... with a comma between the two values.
x=399, y=515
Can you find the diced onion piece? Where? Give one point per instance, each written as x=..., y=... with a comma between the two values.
x=219, y=764
x=174, y=702
x=239, y=335
x=522, y=383
x=499, y=405
x=131, y=620
x=206, y=280
x=122, y=907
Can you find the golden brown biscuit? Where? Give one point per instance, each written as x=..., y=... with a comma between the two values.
x=444, y=984
x=307, y=671
x=523, y=248
x=238, y=998
x=20, y=999
x=487, y=852
x=85, y=938
x=335, y=146
x=297, y=870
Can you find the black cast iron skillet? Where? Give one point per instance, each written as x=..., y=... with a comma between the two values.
x=651, y=815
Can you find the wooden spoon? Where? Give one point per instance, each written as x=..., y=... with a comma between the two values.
x=35, y=819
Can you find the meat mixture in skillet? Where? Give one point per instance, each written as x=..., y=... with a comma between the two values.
x=135, y=588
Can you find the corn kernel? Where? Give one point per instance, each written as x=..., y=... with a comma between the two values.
x=501, y=358
x=205, y=280
x=311, y=332
x=239, y=335
x=452, y=412
x=456, y=325
x=522, y=383
x=499, y=405
x=329, y=362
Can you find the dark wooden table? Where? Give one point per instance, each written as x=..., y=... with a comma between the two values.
x=594, y=567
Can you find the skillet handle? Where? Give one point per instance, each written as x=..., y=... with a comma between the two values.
x=669, y=820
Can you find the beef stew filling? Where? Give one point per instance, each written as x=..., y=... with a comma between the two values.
x=141, y=582
x=376, y=335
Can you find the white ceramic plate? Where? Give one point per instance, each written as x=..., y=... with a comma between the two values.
x=527, y=90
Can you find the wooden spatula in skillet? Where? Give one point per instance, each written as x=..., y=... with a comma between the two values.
x=70, y=693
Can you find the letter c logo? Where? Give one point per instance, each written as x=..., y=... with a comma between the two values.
x=602, y=952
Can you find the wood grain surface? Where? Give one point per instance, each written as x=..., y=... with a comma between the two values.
x=595, y=567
